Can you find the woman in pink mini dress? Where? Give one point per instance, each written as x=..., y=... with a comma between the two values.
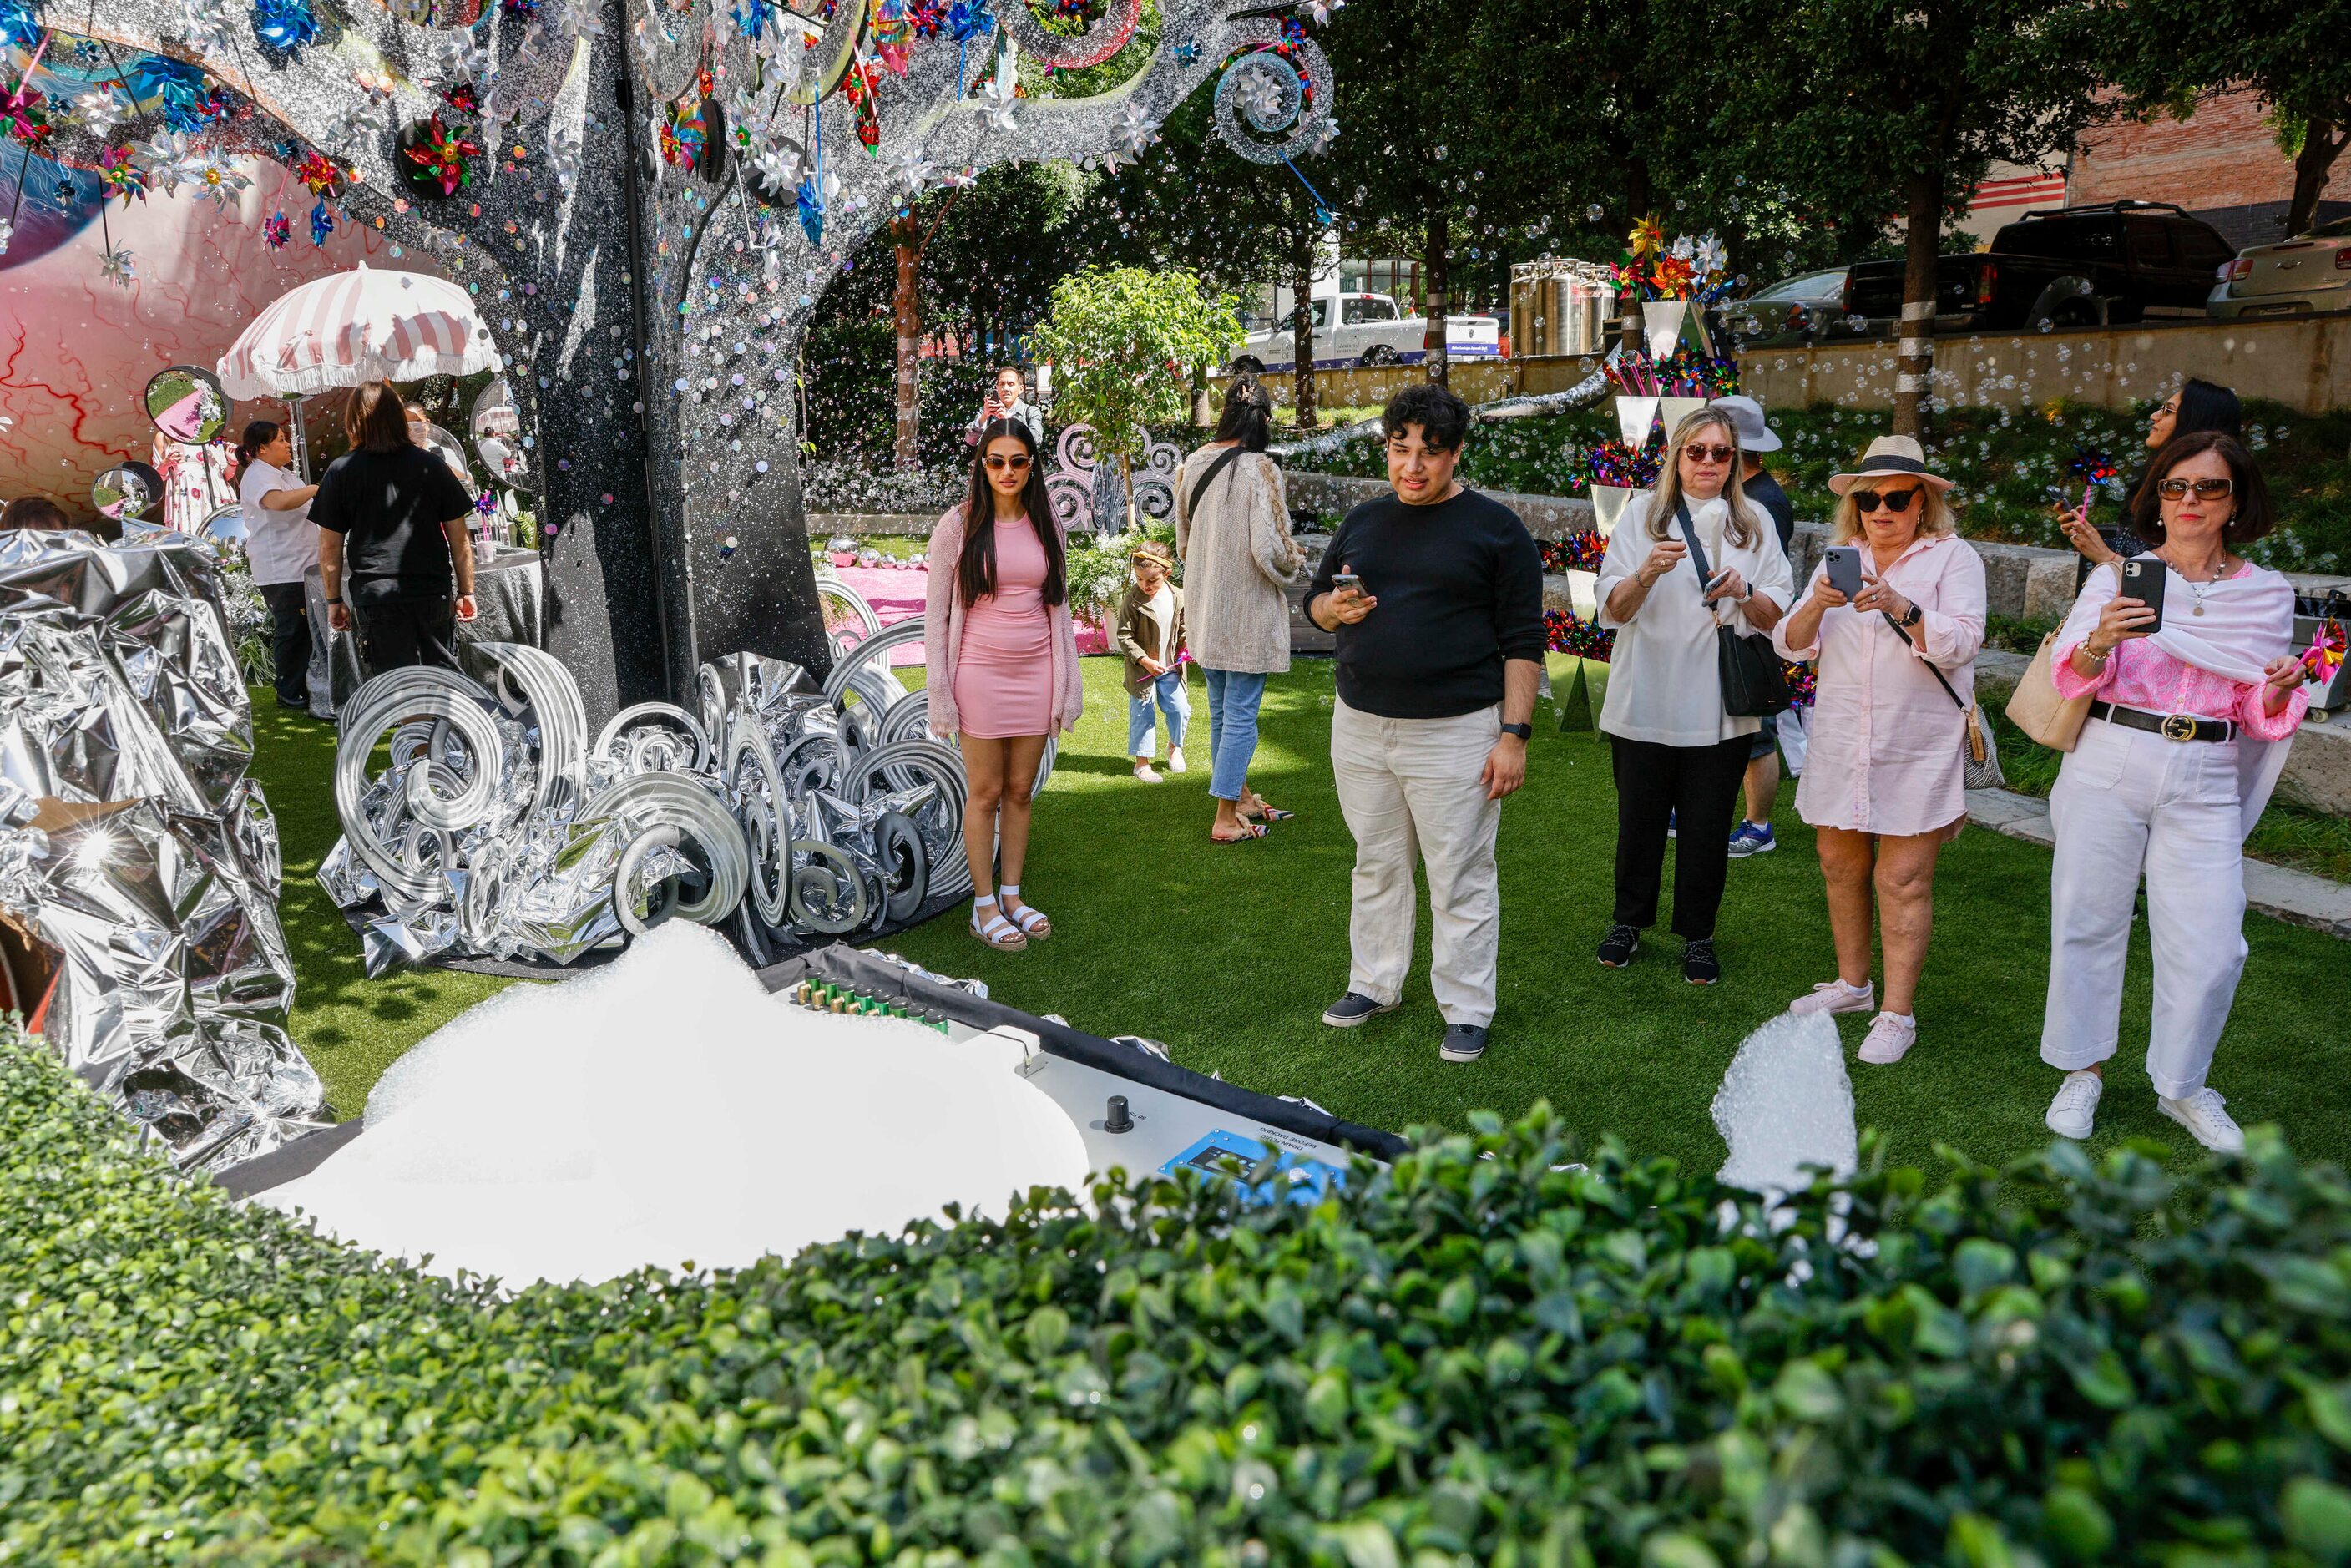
x=1001, y=659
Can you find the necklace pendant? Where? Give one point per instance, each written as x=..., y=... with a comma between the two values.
x=2199, y=609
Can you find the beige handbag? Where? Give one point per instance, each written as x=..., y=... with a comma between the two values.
x=2035, y=707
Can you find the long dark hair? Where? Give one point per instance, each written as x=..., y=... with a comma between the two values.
x=2207, y=405
x=976, y=568
x=1248, y=415
x=2253, y=517
x=375, y=418
x=257, y=435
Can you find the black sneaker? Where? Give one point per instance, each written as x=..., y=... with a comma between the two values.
x=1463, y=1043
x=1352, y=1009
x=1699, y=965
x=296, y=705
x=1616, y=948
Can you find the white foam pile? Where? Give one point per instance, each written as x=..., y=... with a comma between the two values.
x=1786, y=1103
x=666, y=1109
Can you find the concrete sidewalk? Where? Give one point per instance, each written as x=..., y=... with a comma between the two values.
x=2279, y=892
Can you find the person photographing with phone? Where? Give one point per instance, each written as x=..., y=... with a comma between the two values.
x=1894, y=617
x=1435, y=595
x=1008, y=398
x=2194, y=695
x=1678, y=750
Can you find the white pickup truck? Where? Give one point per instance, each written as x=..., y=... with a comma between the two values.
x=1368, y=329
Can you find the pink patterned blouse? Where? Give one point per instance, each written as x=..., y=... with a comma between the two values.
x=2141, y=675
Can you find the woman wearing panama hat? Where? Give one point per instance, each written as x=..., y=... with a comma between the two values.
x=1884, y=783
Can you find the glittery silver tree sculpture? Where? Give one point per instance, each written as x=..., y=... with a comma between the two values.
x=647, y=198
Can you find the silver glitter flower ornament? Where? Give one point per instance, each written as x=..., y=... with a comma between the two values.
x=102, y=109
x=114, y=264
x=998, y=100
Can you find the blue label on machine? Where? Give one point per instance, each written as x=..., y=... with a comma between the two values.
x=1300, y=1178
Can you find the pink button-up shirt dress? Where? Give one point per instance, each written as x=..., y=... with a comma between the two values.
x=1883, y=740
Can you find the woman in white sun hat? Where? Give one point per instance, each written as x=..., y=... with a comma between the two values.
x=1885, y=783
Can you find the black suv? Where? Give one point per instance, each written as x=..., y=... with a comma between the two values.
x=2112, y=263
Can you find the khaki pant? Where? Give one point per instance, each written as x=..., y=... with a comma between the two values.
x=1409, y=789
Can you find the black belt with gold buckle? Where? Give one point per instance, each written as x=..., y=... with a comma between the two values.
x=2171, y=726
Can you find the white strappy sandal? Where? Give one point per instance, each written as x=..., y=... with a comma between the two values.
x=995, y=930
x=1031, y=921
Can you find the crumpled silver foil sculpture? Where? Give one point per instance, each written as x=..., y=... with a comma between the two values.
x=154, y=882
x=783, y=811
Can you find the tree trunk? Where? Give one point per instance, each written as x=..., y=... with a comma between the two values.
x=1637, y=197
x=906, y=315
x=2322, y=140
x=1126, y=481
x=1302, y=337
x=1436, y=269
x=1914, y=359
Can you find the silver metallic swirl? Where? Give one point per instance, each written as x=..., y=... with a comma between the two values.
x=401, y=696
x=638, y=737
x=829, y=894
x=1265, y=95
x=845, y=668
x=1109, y=34
x=681, y=802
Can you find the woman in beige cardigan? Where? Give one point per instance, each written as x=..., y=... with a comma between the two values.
x=1232, y=529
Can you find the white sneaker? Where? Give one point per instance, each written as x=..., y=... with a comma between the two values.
x=1890, y=1040
x=1176, y=760
x=1836, y=996
x=2205, y=1115
x=2074, y=1111
x=1147, y=773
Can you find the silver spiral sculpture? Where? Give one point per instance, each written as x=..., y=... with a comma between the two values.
x=784, y=810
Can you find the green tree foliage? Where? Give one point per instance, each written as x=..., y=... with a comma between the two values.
x=1484, y=1353
x=1881, y=106
x=1121, y=340
x=2167, y=54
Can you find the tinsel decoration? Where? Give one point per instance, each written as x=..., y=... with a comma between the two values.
x=435, y=159
x=119, y=175
x=284, y=26
x=276, y=230
x=1565, y=632
x=322, y=223
x=1625, y=467
x=1580, y=551
x=1696, y=375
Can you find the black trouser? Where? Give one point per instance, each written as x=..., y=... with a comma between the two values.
x=289, y=640
x=394, y=633
x=1695, y=788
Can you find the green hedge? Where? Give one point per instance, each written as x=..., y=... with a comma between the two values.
x=1479, y=1357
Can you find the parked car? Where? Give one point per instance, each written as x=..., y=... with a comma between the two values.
x=1368, y=329
x=2292, y=277
x=2068, y=267
x=1800, y=309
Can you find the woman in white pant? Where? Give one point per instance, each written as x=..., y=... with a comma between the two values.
x=2186, y=735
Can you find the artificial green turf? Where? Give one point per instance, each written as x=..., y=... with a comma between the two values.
x=351, y=1028
x=1228, y=954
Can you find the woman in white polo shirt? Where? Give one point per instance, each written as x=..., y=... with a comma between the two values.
x=283, y=548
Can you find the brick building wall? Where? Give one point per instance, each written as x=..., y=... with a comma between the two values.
x=2222, y=163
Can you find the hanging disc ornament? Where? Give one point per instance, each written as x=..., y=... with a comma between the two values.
x=1272, y=106
x=186, y=403
x=1104, y=38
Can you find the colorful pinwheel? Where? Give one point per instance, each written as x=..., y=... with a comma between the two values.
x=119, y=175
x=440, y=155
x=276, y=229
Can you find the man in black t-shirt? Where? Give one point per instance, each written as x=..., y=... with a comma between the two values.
x=1752, y=835
x=1435, y=594
x=393, y=539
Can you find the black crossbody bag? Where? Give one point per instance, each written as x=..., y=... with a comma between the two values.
x=1191, y=507
x=1753, y=685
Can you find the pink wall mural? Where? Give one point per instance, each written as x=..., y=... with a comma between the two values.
x=76, y=347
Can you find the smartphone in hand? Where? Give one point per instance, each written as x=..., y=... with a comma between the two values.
x=1843, y=563
x=1347, y=582
x=2143, y=580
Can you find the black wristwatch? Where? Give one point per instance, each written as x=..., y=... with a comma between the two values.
x=1523, y=731
x=1914, y=616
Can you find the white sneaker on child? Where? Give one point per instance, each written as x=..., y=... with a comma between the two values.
x=1147, y=773
x=1176, y=760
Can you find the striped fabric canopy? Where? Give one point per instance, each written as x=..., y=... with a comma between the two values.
x=355, y=327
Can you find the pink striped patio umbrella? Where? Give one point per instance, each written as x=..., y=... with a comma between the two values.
x=358, y=326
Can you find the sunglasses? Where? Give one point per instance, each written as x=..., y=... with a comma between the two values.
x=2205, y=489
x=1001, y=464
x=1895, y=501
x=1703, y=451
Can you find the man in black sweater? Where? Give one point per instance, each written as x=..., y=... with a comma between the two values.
x=1435, y=596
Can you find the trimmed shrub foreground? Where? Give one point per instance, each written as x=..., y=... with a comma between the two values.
x=1475, y=1358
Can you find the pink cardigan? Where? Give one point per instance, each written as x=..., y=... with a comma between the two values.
x=943, y=611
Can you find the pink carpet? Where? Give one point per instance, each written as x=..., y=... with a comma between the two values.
x=896, y=595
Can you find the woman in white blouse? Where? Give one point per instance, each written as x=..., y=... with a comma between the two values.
x=283, y=548
x=1679, y=756
x=1885, y=783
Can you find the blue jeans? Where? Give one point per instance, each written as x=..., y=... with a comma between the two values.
x=1173, y=701
x=1233, y=699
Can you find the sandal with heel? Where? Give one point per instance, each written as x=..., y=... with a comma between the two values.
x=996, y=931
x=1031, y=921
